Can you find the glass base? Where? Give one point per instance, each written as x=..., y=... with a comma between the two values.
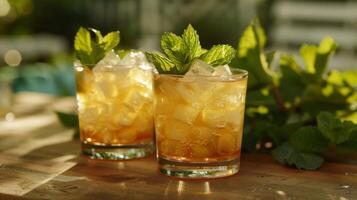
x=124, y=152
x=198, y=170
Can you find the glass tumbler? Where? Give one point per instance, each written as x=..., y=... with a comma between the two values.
x=199, y=124
x=115, y=110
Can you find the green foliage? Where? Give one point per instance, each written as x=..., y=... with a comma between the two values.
x=250, y=56
x=219, y=55
x=181, y=51
x=333, y=129
x=299, y=109
x=287, y=154
x=90, y=51
x=309, y=139
x=69, y=120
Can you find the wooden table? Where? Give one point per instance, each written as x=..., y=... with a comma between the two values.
x=39, y=160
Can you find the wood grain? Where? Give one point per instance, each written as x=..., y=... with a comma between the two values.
x=52, y=168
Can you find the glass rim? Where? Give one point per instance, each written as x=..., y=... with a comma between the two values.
x=237, y=74
x=115, y=67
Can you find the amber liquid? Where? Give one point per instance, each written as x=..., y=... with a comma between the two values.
x=199, y=121
x=115, y=107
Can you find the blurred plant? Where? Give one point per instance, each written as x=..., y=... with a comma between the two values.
x=296, y=111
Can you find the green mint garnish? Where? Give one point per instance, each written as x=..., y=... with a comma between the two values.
x=90, y=51
x=180, y=51
x=219, y=55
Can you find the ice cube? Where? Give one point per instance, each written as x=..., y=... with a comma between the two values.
x=127, y=135
x=84, y=79
x=222, y=70
x=202, y=135
x=227, y=143
x=198, y=67
x=128, y=60
x=106, y=84
x=144, y=121
x=186, y=113
x=229, y=95
x=106, y=136
x=219, y=118
x=172, y=147
x=142, y=77
x=126, y=112
x=189, y=92
x=200, y=151
x=176, y=130
x=110, y=60
x=125, y=116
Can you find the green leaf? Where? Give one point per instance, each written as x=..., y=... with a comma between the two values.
x=251, y=57
x=291, y=81
x=287, y=154
x=90, y=51
x=191, y=42
x=316, y=58
x=99, y=36
x=82, y=46
x=333, y=129
x=174, y=48
x=315, y=99
x=270, y=57
x=309, y=139
x=325, y=50
x=219, y=55
x=161, y=63
x=69, y=120
x=123, y=52
x=308, y=53
x=111, y=40
x=351, y=144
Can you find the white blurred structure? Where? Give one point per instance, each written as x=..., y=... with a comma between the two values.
x=297, y=22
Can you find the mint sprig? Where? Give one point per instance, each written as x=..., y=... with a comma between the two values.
x=306, y=108
x=90, y=51
x=181, y=51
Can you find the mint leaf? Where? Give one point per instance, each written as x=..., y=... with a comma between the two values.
x=83, y=46
x=316, y=57
x=181, y=51
x=191, y=42
x=350, y=144
x=309, y=139
x=333, y=129
x=174, y=48
x=123, y=52
x=250, y=56
x=308, y=53
x=69, y=120
x=98, y=34
x=292, y=85
x=326, y=48
x=111, y=40
x=90, y=51
x=219, y=55
x=287, y=154
x=162, y=64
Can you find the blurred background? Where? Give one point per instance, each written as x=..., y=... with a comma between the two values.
x=36, y=36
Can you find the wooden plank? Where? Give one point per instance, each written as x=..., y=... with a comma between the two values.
x=19, y=176
x=55, y=170
x=260, y=178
